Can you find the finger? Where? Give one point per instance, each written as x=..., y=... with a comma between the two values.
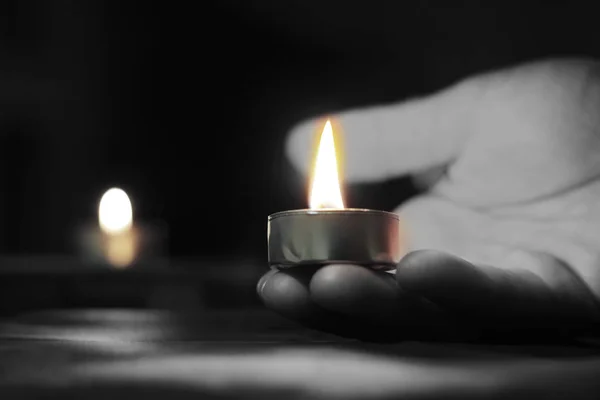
x=391, y=140
x=356, y=291
x=373, y=297
x=498, y=298
x=263, y=280
x=287, y=293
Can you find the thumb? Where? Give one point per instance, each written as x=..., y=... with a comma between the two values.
x=383, y=142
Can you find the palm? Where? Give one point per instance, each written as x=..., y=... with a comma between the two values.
x=525, y=190
x=520, y=200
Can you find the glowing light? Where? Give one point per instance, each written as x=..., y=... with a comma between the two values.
x=325, y=190
x=121, y=251
x=115, y=213
x=115, y=216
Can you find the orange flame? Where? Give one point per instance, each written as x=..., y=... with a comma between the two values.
x=325, y=190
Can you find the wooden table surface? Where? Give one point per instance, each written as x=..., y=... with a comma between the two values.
x=252, y=353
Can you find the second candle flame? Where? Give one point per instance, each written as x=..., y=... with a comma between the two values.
x=325, y=190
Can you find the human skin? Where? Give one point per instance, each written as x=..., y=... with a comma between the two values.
x=506, y=240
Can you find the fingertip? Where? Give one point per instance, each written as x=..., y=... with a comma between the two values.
x=351, y=289
x=329, y=282
x=422, y=261
x=263, y=280
x=358, y=138
x=286, y=292
x=300, y=143
x=428, y=271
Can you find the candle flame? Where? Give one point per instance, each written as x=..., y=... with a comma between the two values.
x=115, y=213
x=115, y=216
x=325, y=189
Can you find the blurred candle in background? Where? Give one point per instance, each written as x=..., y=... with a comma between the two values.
x=117, y=239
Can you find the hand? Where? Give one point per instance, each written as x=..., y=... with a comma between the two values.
x=505, y=241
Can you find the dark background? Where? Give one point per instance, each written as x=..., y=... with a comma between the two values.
x=186, y=106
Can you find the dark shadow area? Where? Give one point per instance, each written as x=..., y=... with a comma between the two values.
x=186, y=107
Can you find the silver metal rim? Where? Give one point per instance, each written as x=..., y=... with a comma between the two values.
x=325, y=211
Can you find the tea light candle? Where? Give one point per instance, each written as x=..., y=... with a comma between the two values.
x=117, y=241
x=327, y=232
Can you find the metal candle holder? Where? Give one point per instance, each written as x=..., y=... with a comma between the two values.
x=328, y=236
